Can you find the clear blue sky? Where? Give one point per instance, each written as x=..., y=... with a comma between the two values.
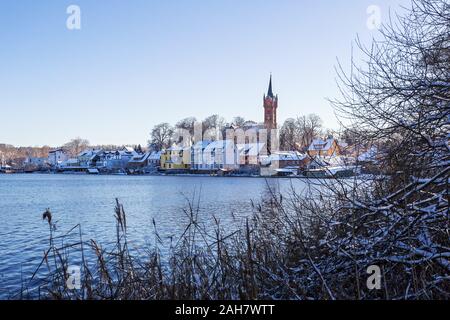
x=136, y=63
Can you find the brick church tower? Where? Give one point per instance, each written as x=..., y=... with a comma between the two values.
x=270, y=108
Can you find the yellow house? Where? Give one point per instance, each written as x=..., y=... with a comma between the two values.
x=176, y=158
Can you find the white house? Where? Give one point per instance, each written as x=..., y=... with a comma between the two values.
x=198, y=159
x=284, y=163
x=88, y=157
x=215, y=155
x=114, y=160
x=57, y=156
x=35, y=161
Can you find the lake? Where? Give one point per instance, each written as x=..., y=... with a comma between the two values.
x=89, y=200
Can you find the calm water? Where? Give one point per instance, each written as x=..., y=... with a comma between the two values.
x=90, y=201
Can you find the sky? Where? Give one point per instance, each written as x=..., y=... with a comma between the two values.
x=137, y=63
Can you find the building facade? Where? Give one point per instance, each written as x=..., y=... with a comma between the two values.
x=57, y=156
x=176, y=158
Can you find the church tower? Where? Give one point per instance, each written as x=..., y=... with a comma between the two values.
x=270, y=108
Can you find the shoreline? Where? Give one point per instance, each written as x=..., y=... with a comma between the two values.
x=300, y=177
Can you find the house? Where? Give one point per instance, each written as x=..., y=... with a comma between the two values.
x=154, y=160
x=220, y=155
x=138, y=163
x=328, y=147
x=208, y=156
x=370, y=156
x=88, y=157
x=334, y=166
x=198, y=158
x=114, y=160
x=369, y=161
x=71, y=164
x=4, y=168
x=284, y=163
x=176, y=158
x=250, y=153
x=36, y=162
x=319, y=162
x=57, y=156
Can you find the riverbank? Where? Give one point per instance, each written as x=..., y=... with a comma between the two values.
x=161, y=174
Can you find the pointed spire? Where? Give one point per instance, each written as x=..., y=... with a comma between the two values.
x=269, y=92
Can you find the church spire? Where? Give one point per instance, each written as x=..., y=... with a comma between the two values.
x=270, y=92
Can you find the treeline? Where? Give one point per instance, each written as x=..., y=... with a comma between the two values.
x=163, y=135
x=295, y=134
x=16, y=156
x=12, y=155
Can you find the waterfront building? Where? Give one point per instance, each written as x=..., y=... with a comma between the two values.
x=57, y=156
x=284, y=163
x=198, y=158
x=138, y=163
x=176, y=158
x=220, y=155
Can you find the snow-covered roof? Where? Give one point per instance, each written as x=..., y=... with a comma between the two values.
x=251, y=149
x=321, y=145
x=250, y=123
x=155, y=155
x=140, y=158
x=220, y=144
x=201, y=144
x=128, y=149
x=178, y=148
x=283, y=156
x=89, y=153
x=369, y=155
x=57, y=150
x=287, y=156
x=336, y=161
x=342, y=144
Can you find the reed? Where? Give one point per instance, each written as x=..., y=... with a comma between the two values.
x=302, y=247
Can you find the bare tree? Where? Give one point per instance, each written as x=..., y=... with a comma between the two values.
x=75, y=146
x=238, y=121
x=400, y=99
x=213, y=126
x=309, y=127
x=187, y=124
x=297, y=134
x=161, y=137
x=289, y=135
